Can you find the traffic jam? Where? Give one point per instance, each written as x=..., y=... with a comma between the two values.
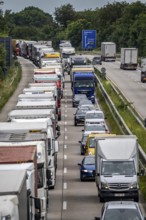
x=30, y=140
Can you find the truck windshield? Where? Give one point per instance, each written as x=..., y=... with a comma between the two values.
x=40, y=169
x=122, y=214
x=84, y=83
x=92, y=142
x=118, y=168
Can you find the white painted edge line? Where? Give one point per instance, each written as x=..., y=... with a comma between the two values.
x=65, y=106
x=65, y=170
x=65, y=157
x=65, y=185
x=65, y=137
x=65, y=146
x=64, y=205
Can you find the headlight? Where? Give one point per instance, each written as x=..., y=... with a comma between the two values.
x=87, y=171
x=7, y=217
x=104, y=185
x=90, y=153
x=133, y=185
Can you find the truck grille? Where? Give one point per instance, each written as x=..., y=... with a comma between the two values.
x=119, y=186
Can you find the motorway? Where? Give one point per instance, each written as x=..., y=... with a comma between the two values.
x=72, y=199
x=129, y=84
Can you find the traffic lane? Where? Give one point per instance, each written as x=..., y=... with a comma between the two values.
x=80, y=199
x=129, y=83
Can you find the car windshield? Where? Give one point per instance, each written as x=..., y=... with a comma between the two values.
x=94, y=127
x=92, y=142
x=95, y=115
x=85, y=83
x=84, y=139
x=122, y=214
x=81, y=112
x=118, y=168
x=89, y=160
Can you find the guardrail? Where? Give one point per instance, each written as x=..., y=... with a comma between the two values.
x=120, y=122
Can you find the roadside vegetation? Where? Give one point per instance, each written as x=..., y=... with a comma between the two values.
x=10, y=82
x=122, y=106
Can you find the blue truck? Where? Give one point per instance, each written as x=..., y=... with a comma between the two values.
x=84, y=83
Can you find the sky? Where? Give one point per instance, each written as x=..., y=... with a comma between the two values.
x=50, y=5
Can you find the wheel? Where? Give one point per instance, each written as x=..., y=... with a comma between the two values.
x=136, y=199
x=59, y=118
x=81, y=178
x=75, y=123
x=101, y=199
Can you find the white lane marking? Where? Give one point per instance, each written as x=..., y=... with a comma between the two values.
x=65, y=122
x=65, y=129
x=65, y=146
x=65, y=100
x=65, y=157
x=64, y=205
x=65, y=110
x=65, y=106
x=65, y=170
x=65, y=137
x=65, y=185
x=66, y=115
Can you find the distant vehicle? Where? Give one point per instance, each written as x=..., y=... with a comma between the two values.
x=94, y=128
x=95, y=117
x=121, y=210
x=129, y=58
x=78, y=60
x=87, y=106
x=79, y=116
x=85, y=102
x=87, y=168
x=77, y=98
x=96, y=60
x=83, y=143
x=108, y=51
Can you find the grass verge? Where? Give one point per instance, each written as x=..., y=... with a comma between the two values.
x=10, y=83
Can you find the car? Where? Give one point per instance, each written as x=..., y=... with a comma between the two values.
x=96, y=60
x=79, y=116
x=95, y=128
x=76, y=99
x=78, y=60
x=84, y=102
x=87, y=168
x=87, y=106
x=121, y=210
x=83, y=143
x=95, y=116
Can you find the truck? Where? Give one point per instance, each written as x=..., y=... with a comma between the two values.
x=14, y=197
x=117, y=167
x=34, y=131
x=108, y=51
x=22, y=158
x=129, y=58
x=143, y=70
x=84, y=83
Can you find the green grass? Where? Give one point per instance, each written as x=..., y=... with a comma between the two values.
x=10, y=83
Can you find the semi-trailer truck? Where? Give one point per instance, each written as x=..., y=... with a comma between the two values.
x=108, y=51
x=129, y=58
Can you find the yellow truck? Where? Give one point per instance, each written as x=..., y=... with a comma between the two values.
x=90, y=143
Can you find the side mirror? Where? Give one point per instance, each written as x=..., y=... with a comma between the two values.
x=79, y=142
x=79, y=164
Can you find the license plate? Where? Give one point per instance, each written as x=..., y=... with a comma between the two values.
x=119, y=194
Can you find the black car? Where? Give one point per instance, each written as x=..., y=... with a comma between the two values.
x=96, y=60
x=83, y=143
x=76, y=99
x=79, y=116
x=86, y=102
x=78, y=60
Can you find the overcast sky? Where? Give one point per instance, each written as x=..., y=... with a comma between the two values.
x=50, y=5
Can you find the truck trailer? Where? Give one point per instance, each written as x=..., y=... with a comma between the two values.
x=129, y=58
x=108, y=51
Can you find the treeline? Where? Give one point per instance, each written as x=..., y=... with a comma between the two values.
x=120, y=22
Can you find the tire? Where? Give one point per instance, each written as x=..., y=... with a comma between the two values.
x=136, y=199
x=101, y=199
x=75, y=123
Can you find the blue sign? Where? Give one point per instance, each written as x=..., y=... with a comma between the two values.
x=88, y=39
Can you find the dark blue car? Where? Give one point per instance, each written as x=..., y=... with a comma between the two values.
x=87, y=168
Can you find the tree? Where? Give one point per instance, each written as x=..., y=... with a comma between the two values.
x=64, y=15
x=2, y=60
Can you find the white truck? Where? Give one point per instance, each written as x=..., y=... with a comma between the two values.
x=117, y=167
x=108, y=51
x=32, y=131
x=22, y=158
x=129, y=58
x=14, y=199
